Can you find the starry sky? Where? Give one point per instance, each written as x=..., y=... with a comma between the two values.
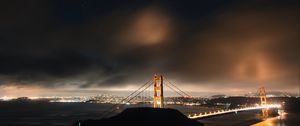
x=65, y=47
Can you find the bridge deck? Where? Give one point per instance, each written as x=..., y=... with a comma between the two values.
x=200, y=115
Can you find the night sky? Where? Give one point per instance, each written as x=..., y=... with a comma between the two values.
x=215, y=46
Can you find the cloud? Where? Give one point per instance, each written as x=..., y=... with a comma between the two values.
x=242, y=46
x=234, y=44
x=148, y=27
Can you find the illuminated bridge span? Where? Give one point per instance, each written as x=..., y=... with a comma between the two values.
x=220, y=112
x=156, y=86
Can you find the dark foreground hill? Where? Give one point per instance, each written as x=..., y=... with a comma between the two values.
x=143, y=117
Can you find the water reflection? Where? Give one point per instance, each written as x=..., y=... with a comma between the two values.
x=284, y=119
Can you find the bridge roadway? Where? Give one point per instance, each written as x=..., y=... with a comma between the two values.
x=220, y=112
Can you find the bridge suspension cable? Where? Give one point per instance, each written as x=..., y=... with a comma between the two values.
x=139, y=90
x=175, y=90
x=186, y=94
x=158, y=86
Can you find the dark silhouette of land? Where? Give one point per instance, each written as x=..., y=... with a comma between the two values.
x=143, y=117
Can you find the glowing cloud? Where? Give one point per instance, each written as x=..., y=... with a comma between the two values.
x=151, y=26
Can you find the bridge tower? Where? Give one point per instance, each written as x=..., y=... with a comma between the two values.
x=263, y=101
x=158, y=99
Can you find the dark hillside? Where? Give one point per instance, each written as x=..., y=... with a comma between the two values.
x=143, y=117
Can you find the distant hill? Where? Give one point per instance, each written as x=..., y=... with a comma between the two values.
x=143, y=117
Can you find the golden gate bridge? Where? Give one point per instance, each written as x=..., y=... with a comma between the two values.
x=157, y=86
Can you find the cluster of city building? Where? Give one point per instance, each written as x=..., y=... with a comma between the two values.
x=109, y=99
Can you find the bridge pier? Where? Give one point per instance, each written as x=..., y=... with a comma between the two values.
x=158, y=98
x=263, y=102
